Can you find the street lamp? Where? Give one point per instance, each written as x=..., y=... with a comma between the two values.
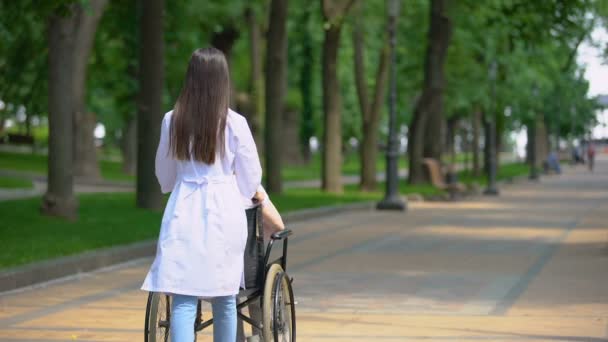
x=492, y=189
x=392, y=200
x=533, y=171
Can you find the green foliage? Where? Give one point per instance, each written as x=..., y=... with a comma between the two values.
x=533, y=44
x=15, y=183
x=112, y=81
x=23, y=55
x=411, y=37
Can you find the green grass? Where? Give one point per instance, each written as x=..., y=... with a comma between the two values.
x=506, y=171
x=105, y=220
x=350, y=166
x=15, y=183
x=23, y=162
x=294, y=199
x=37, y=163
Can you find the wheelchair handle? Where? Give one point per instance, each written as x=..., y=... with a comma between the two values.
x=282, y=234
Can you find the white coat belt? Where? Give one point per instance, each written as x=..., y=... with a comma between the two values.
x=190, y=186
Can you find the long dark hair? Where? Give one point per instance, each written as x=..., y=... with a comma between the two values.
x=199, y=116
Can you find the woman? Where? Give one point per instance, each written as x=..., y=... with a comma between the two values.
x=208, y=160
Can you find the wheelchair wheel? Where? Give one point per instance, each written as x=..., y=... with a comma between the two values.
x=158, y=317
x=279, y=313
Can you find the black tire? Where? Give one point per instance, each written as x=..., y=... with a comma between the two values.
x=158, y=318
x=279, y=314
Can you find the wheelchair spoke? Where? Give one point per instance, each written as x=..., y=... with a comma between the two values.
x=284, y=319
x=162, y=333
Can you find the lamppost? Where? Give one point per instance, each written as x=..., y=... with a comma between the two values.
x=392, y=200
x=492, y=189
x=533, y=171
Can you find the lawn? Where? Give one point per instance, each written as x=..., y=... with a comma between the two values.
x=507, y=171
x=105, y=220
x=37, y=163
x=350, y=166
x=112, y=219
x=15, y=183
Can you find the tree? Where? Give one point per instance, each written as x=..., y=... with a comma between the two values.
x=306, y=82
x=85, y=151
x=334, y=12
x=428, y=111
x=149, y=115
x=370, y=111
x=59, y=199
x=112, y=81
x=256, y=79
x=276, y=83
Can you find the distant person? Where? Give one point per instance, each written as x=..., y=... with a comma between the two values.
x=577, y=157
x=591, y=156
x=553, y=162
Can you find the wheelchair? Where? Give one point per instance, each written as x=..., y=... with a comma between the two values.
x=269, y=294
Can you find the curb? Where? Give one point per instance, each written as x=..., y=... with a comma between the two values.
x=44, y=271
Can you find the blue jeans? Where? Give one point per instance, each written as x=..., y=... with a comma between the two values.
x=183, y=313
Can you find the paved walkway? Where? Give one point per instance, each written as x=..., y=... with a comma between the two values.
x=531, y=265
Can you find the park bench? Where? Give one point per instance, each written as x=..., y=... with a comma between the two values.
x=438, y=179
x=18, y=139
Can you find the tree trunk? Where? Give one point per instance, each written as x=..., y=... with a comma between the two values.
x=498, y=137
x=28, y=123
x=334, y=12
x=129, y=147
x=428, y=109
x=434, y=136
x=529, y=143
x=149, y=115
x=276, y=84
x=306, y=85
x=435, y=128
x=534, y=146
x=415, y=145
x=85, y=151
x=370, y=112
x=486, y=146
x=475, y=150
x=59, y=198
x=542, y=139
x=292, y=153
x=256, y=82
x=369, y=156
x=332, y=106
x=224, y=41
x=450, y=139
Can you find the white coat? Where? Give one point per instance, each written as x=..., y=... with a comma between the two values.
x=204, y=228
